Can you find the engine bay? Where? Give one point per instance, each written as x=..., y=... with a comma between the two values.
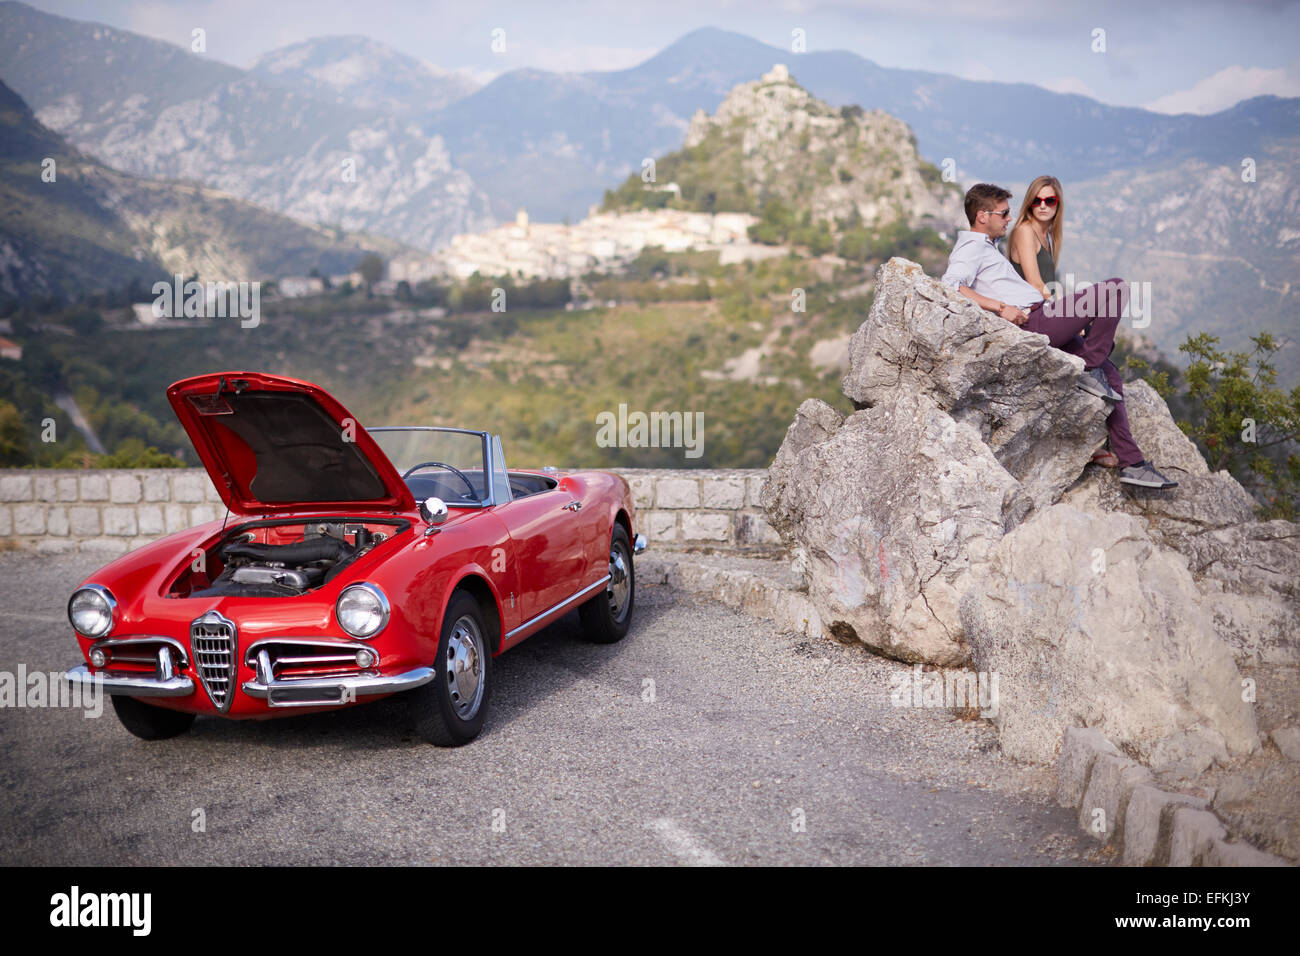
x=279, y=559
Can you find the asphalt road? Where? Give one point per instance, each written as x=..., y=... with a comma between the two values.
x=757, y=748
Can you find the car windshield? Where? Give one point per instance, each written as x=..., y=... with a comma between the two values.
x=444, y=463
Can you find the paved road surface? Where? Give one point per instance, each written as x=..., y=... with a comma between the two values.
x=750, y=734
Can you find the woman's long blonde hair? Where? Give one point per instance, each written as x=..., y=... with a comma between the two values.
x=1026, y=212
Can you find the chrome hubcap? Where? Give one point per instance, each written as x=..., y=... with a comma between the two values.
x=620, y=584
x=465, y=667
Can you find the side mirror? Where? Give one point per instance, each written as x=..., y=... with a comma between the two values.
x=434, y=513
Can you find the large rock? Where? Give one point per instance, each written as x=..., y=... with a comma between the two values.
x=1020, y=395
x=1089, y=623
x=887, y=513
x=954, y=518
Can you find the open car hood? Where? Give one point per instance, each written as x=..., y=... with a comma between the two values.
x=275, y=444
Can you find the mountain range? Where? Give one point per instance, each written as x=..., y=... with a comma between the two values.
x=434, y=156
x=606, y=122
x=153, y=109
x=356, y=71
x=69, y=224
x=279, y=132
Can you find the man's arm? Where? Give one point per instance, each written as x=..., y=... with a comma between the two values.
x=1008, y=312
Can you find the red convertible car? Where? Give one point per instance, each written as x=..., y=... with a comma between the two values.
x=354, y=564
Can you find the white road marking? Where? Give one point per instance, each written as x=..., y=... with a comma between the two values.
x=685, y=846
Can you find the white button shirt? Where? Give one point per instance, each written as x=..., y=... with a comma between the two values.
x=976, y=264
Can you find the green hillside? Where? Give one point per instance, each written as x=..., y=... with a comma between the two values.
x=742, y=358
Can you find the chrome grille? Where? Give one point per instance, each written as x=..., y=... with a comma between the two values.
x=213, y=643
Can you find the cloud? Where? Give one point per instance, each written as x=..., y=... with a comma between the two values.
x=1230, y=86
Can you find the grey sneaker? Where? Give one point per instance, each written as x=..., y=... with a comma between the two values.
x=1144, y=475
x=1094, y=382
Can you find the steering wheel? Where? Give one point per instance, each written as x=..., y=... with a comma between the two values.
x=472, y=496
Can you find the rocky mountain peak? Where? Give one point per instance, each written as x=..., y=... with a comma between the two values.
x=363, y=73
x=772, y=104
x=834, y=162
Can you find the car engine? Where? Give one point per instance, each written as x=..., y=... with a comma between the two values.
x=283, y=570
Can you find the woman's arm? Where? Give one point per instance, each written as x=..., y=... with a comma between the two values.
x=1024, y=246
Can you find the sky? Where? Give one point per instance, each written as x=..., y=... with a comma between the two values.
x=1173, y=56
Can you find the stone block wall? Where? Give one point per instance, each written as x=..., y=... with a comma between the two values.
x=715, y=509
x=117, y=510
x=110, y=510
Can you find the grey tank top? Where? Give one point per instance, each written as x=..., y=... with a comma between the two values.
x=1046, y=267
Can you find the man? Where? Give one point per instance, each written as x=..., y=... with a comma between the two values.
x=982, y=274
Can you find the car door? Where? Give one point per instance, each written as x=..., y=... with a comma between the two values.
x=546, y=532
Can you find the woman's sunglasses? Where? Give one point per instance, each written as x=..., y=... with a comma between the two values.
x=1048, y=201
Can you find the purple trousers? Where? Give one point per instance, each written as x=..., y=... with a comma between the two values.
x=1095, y=311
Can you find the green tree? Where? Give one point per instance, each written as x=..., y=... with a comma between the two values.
x=1242, y=421
x=855, y=245
x=371, y=268
x=13, y=437
x=775, y=224
x=131, y=453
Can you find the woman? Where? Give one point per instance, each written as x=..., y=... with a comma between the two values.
x=1035, y=249
x=1035, y=239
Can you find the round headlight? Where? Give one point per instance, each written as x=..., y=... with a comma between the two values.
x=362, y=610
x=91, y=611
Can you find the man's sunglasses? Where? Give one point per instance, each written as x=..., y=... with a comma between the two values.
x=1048, y=201
x=1004, y=213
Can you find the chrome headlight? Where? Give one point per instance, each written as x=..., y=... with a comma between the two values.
x=362, y=610
x=92, y=610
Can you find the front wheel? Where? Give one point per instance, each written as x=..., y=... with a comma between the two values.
x=149, y=722
x=449, y=710
x=607, y=617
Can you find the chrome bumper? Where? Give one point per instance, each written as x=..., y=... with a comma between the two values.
x=323, y=691
x=300, y=692
x=639, y=544
x=132, y=686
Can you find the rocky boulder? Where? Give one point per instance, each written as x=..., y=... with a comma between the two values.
x=1248, y=570
x=954, y=519
x=1088, y=622
x=888, y=511
x=1020, y=396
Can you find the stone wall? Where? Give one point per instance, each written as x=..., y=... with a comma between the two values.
x=717, y=509
x=117, y=510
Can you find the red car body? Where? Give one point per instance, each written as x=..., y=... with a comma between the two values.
x=229, y=619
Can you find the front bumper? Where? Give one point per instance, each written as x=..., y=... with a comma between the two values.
x=276, y=692
x=323, y=691
x=163, y=682
x=134, y=685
